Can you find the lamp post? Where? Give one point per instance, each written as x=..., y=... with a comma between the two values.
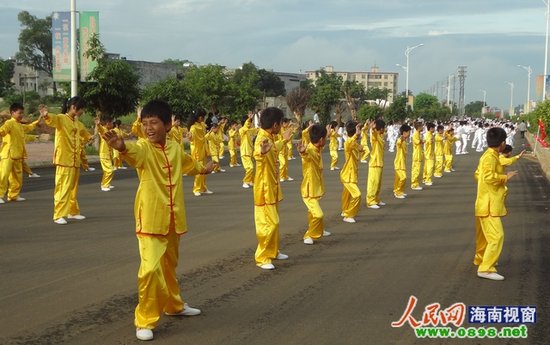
x=407, y=53
x=451, y=76
x=74, y=72
x=547, y=15
x=529, y=71
x=484, y=97
x=511, y=110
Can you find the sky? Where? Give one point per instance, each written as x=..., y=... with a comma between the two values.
x=490, y=37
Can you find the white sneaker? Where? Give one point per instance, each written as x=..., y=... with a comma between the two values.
x=222, y=170
x=364, y=162
x=374, y=206
x=246, y=185
x=222, y=157
x=438, y=176
x=381, y=203
x=111, y=187
x=281, y=256
x=490, y=275
x=123, y=167
x=105, y=189
x=290, y=179
x=326, y=233
x=196, y=193
x=282, y=180
x=237, y=165
x=417, y=188
x=76, y=216
x=267, y=267
x=308, y=240
x=213, y=172
x=208, y=192
x=91, y=169
x=428, y=183
x=332, y=169
x=34, y=175
x=405, y=194
x=18, y=199
x=186, y=311
x=349, y=220
x=144, y=334
x=399, y=196
x=60, y=221
x=342, y=214
x=2, y=201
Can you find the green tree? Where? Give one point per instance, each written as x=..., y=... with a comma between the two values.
x=172, y=91
x=112, y=89
x=474, y=108
x=424, y=101
x=369, y=112
x=297, y=101
x=6, y=73
x=35, y=42
x=542, y=111
x=397, y=111
x=209, y=87
x=354, y=94
x=245, y=83
x=270, y=84
x=326, y=94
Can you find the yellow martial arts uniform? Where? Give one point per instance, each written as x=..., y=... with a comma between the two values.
x=213, y=142
x=67, y=161
x=12, y=155
x=438, y=152
x=351, y=195
x=221, y=146
x=117, y=160
x=376, y=164
x=28, y=139
x=313, y=189
x=199, y=152
x=283, y=160
x=137, y=129
x=448, y=151
x=267, y=195
x=416, y=159
x=400, y=167
x=233, y=136
x=290, y=149
x=246, y=133
x=85, y=137
x=489, y=208
x=429, y=157
x=333, y=148
x=365, y=143
x=105, y=158
x=305, y=137
x=159, y=211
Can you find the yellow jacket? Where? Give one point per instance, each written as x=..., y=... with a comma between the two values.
x=348, y=174
x=105, y=151
x=159, y=197
x=399, y=163
x=176, y=134
x=313, y=185
x=13, y=138
x=199, y=149
x=491, y=186
x=305, y=137
x=365, y=136
x=213, y=141
x=438, y=151
x=506, y=162
x=333, y=143
x=68, y=139
x=377, y=149
x=448, y=145
x=233, y=136
x=429, y=146
x=267, y=189
x=137, y=129
x=247, y=132
x=417, y=147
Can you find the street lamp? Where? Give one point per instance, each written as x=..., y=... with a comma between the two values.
x=484, y=97
x=547, y=3
x=511, y=111
x=529, y=71
x=407, y=53
x=451, y=76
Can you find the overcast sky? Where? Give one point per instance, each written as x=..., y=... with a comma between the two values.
x=490, y=37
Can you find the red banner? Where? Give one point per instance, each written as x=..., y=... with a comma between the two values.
x=542, y=134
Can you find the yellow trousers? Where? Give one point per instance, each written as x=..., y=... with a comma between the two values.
x=283, y=167
x=428, y=170
x=248, y=169
x=26, y=168
x=438, y=166
x=66, y=189
x=374, y=182
x=489, y=241
x=221, y=150
x=415, y=174
x=232, y=157
x=314, y=218
x=351, y=200
x=117, y=160
x=108, y=172
x=158, y=288
x=333, y=158
x=448, y=163
x=199, y=184
x=216, y=160
x=290, y=153
x=399, y=182
x=11, y=177
x=84, y=159
x=267, y=232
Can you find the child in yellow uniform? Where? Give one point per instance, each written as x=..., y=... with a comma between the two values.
x=400, y=162
x=12, y=154
x=489, y=205
x=351, y=195
x=267, y=188
x=26, y=168
x=246, y=133
x=105, y=154
x=199, y=148
x=417, y=156
x=283, y=154
x=233, y=143
x=448, y=149
x=365, y=142
x=438, y=151
x=305, y=132
x=177, y=132
x=66, y=158
x=290, y=149
x=313, y=186
x=376, y=164
x=117, y=161
x=333, y=145
x=221, y=146
x=160, y=215
x=429, y=155
x=213, y=142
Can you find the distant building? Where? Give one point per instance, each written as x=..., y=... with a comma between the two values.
x=291, y=80
x=373, y=78
x=26, y=78
x=149, y=72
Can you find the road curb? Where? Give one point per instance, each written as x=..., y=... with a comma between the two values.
x=542, y=154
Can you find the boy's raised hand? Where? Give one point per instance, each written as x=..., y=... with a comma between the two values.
x=265, y=146
x=114, y=141
x=300, y=146
x=287, y=134
x=209, y=167
x=511, y=174
x=521, y=154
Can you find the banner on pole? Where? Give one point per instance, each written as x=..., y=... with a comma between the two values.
x=61, y=46
x=89, y=25
x=540, y=85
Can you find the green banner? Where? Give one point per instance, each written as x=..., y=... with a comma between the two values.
x=89, y=25
x=61, y=46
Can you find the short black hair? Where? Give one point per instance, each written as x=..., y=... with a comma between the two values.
x=430, y=125
x=495, y=137
x=404, y=128
x=286, y=120
x=440, y=128
x=15, y=107
x=507, y=149
x=157, y=108
x=271, y=116
x=351, y=127
x=243, y=120
x=76, y=101
x=333, y=124
x=199, y=112
x=380, y=124
x=316, y=132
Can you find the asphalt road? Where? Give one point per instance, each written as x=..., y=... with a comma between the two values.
x=76, y=284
